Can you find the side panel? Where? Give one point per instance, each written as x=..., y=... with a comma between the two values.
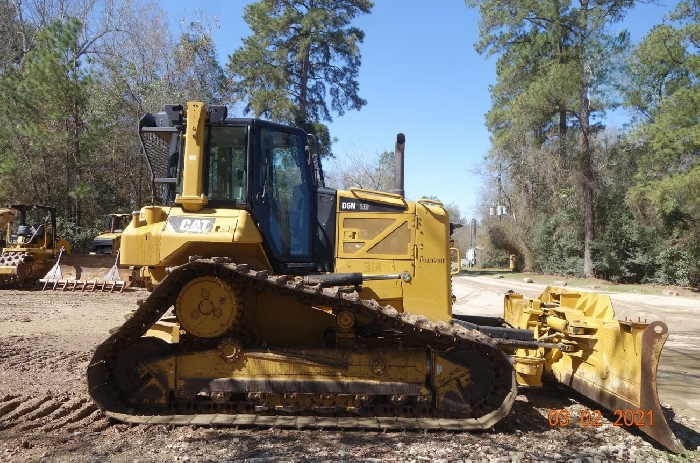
x=375, y=236
x=165, y=237
x=383, y=235
x=430, y=291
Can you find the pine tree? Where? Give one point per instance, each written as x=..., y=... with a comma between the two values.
x=301, y=53
x=51, y=139
x=552, y=65
x=664, y=92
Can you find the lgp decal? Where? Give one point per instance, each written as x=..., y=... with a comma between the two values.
x=190, y=225
x=352, y=205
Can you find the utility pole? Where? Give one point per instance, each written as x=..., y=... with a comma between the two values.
x=499, y=208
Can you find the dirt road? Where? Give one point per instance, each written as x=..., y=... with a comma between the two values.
x=46, y=341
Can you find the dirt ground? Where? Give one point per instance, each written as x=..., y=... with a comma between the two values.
x=47, y=338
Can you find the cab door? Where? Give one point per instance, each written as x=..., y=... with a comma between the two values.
x=282, y=196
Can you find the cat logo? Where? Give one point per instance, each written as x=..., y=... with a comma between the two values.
x=190, y=225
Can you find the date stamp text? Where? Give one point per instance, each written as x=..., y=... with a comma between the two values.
x=594, y=418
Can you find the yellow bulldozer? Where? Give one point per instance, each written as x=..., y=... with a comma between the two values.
x=278, y=301
x=109, y=240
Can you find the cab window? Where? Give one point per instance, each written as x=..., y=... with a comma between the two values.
x=226, y=178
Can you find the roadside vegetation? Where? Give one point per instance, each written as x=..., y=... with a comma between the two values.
x=572, y=195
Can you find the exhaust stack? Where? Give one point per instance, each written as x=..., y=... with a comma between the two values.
x=399, y=163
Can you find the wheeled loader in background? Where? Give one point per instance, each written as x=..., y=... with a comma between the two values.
x=297, y=305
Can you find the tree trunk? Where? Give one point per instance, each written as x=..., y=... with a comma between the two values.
x=587, y=196
x=586, y=155
x=304, y=83
x=563, y=119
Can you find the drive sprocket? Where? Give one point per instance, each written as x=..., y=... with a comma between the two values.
x=208, y=307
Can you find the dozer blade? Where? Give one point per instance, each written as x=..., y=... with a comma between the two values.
x=612, y=362
x=91, y=272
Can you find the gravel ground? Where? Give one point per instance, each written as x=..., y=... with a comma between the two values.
x=46, y=340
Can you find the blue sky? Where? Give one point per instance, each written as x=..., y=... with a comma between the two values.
x=421, y=76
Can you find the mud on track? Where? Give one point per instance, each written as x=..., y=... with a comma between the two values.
x=46, y=341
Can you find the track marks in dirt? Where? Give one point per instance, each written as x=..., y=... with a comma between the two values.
x=26, y=408
x=9, y=403
x=50, y=413
x=27, y=363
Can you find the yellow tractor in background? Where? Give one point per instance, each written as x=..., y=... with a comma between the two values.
x=30, y=249
x=36, y=254
x=281, y=302
x=109, y=241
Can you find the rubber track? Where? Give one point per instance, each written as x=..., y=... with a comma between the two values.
x=102, y=380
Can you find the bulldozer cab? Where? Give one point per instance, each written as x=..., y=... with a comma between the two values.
x=115, y=223
x=267, y=169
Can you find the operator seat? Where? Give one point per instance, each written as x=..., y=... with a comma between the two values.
x=24, y=231
x=37, y=233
